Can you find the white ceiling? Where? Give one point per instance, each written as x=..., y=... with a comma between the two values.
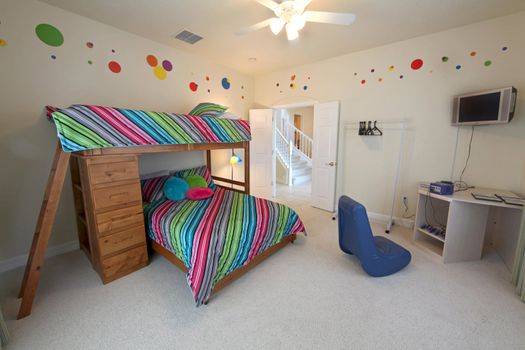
x=378, y=22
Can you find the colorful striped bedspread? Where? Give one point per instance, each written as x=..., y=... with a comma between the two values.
x=82, y=127
x=214, y=237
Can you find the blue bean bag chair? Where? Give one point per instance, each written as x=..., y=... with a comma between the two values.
x=379, y=256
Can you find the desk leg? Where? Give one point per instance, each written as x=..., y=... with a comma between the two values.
x=466, y=226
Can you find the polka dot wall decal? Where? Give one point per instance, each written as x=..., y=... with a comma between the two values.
x=372, y=70
x=473, y=53
x=277, y=84
x=89, y=44
x=209, y=90
x=458, y=67
x=355, y=74
x=363, y=82
x=152, y=60
x=401, y=76
x=49, y=35
x=207, y=78
x=380, y=80
x=305, y=87
x=166, y=64
x=53, y=57
x=292, y=86
x=444, y=59
x=487, y=63
x=292, y=78
x=416, y=64
x=242, y=97
x=504, y=49
x=391, y=68
x=193, y=86
x=242, y=87
x=3, y=42
x=160, y=73
x=226, y=84
x=308, y=78
x=115, y=67
x=90, y=62
x=113, y=50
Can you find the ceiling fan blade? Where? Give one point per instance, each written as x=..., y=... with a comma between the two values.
x=303, y=3
x=268, y=3
x=330, y=17
x=254, y=27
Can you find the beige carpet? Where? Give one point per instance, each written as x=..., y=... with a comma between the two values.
x=308, y=296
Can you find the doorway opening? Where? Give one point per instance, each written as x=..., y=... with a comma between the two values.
x=289, y=157
x=294, y=140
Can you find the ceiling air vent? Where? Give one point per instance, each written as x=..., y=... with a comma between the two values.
x=188, y=37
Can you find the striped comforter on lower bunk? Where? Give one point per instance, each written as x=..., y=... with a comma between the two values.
x=213, y=237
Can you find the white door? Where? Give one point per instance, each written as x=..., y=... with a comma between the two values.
x=261, y=157
x=324, y=155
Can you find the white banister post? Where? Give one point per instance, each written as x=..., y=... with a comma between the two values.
x=290, y=152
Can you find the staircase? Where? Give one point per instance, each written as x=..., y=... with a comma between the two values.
x=302, y=171
x=294, y=152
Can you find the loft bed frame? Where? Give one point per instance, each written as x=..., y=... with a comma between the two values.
x=129, y=155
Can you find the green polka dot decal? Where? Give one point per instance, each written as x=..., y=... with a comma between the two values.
x=487, y=63
x=49, y=35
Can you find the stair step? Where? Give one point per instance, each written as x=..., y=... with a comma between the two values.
x=301, y=179
x=302, y=171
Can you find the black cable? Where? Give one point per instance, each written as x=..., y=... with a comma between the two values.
x=462, y=185
x=406, y=210
x=427, y=199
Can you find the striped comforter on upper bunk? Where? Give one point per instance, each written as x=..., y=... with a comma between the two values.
x=83, y=127
x=213, y=237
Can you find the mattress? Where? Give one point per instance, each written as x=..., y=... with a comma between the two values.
x=213, y=237
x=83, y=127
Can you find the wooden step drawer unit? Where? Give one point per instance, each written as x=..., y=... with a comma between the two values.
x=110, y=219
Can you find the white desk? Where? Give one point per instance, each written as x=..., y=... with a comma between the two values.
x=471, y=224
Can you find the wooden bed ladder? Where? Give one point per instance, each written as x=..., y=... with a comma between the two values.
x=46, y=218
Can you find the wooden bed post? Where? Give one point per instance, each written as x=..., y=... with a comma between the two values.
x=46, y=218
x=246, y=145
x=208, y=160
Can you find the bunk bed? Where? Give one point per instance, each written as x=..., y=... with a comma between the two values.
x=101, y=146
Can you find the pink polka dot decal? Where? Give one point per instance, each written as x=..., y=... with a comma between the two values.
x=416, y=64
x=363, y=82
x=115, y=67
x=473, y=53
x=194, y=86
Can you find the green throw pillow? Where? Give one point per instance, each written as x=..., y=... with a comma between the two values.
x=196, y=181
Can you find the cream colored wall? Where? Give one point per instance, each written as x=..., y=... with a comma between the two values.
x=424, y=97
x=307, y=119
x=30, y=79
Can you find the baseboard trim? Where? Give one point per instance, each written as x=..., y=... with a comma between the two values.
x=383, y=219
x=21, y=260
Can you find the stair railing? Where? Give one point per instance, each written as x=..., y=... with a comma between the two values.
x=302, y=143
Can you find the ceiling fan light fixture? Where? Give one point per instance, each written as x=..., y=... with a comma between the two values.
x=298, y=21
x=291, y=32
x=276, y=25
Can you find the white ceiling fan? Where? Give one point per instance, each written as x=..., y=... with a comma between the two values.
x=291, y=14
